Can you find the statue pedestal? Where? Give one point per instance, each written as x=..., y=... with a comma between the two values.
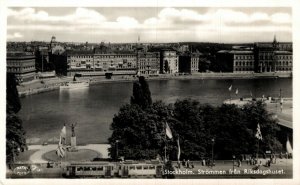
x=73, y=142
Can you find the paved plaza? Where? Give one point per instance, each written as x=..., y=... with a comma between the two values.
x=40, y=150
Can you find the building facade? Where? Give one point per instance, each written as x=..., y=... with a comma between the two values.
x=189, y=63
x=264, y=57
x=273, y=57
x=22, y=64
x=88, y=62
x=283, y=61
x=243, y=61
x=235, y=61
x=169, y=61
x=148, y=63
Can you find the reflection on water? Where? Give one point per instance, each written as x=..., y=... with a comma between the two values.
x=93, y=108
x=67, y=94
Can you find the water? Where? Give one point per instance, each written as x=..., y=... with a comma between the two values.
x=93, y=108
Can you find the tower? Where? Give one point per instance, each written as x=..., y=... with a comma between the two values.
x=275, y=43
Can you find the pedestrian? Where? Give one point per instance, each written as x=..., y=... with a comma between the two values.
x=240, y=163
x=183, y=162
x=188, y=164
x=178, y=164
x=280, y=155
x=192, y=165
x=203, y=162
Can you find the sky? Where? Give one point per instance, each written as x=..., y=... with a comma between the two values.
x=161, y=24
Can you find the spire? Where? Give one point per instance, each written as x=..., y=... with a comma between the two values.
x=274, y=40
x=275, y=43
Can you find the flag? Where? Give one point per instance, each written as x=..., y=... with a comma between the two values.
x=230, y=88
x=60, y=151
x=63, y=132
x=258, y=133
x=237, y=91
x=178, y=152
x=289, y=146
x=168, y=131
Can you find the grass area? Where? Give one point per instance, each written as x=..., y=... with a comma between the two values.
x=80, y=155
x=24, y=156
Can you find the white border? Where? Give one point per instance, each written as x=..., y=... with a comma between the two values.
x=150, y=3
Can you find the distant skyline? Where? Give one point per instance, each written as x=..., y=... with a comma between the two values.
x=121, y=25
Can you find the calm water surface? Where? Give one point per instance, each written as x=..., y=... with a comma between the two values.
x=93, y=108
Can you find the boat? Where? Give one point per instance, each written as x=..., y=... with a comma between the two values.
x=74, y=84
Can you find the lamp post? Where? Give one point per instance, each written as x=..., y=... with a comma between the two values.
x=13, y=151
x=117, y=152
x=212, y=151
x=233, y=158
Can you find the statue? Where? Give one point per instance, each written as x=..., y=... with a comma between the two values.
x=73, y=137
x=73, y=129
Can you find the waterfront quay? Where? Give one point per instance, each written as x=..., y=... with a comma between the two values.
x=44, y=85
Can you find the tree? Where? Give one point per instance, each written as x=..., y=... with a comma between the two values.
x=140, y=129
x=15, y=134
x=256, y=113
x=141, y=94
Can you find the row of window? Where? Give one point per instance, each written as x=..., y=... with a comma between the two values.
x=97, y=61
x=244, y=57
x=284, y=57
x=88, y=66
x=283, y=69
x=244, y=69
x=270, y=57
x=286, y=63
x=237, y=63
x=20, y=69
x=102, y=56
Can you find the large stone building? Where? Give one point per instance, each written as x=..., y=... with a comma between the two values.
x=265, y=57
x=189, y=63
x=148, y=63
x=235, y=61
x=273, y=57
x=89, y=63
x=283, y=61
x=169, y=61
x=22, y=64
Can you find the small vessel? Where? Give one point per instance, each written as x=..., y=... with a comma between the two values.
x=74, y=84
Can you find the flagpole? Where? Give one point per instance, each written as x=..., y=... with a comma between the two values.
x=257, y=149
x=165, y=142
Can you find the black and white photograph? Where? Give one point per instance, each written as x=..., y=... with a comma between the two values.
x=149, y=92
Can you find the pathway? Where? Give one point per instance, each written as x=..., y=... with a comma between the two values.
x=36, y=157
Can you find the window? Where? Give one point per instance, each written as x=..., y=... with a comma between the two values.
x=145, y=167
x=139, y=167
x=132, y=167
x=151, y=167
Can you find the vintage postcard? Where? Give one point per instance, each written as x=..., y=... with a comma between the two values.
x=184, y=91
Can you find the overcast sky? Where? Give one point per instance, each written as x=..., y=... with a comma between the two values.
x=151, y=24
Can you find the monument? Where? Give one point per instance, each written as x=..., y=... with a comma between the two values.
x=73, y=138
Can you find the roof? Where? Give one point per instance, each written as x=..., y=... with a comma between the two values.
x=283, y=52
x=236, y=51
x=20, y=55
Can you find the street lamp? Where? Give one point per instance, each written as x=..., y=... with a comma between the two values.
x=233, y=158
x=117, y=152
x=212, y=151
